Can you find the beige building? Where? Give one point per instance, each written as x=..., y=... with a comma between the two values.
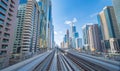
x=109, y=28
x=94, y=38
x=30, y=31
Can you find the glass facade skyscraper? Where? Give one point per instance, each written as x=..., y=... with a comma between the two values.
x=116, y=5
x=46, y=26
x=109, y=27
x=85, y=35
x=109, y=23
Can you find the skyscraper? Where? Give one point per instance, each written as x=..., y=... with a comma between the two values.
x=45, y=23
x=31, y=26
x=67, y=35
x=94, y=38
x=78, y=43
x=116, y=5
x=19, y=28
x=73, y=30
x=109, y=27
x=85, y=36
x=50, y=27
x=53, y=42
x=109, y=23
x=8, y=20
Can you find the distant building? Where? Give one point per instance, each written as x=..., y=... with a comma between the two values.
x=75, y=36
x=109, y=29
x=67, y=34
x=73, y=30
x=85, y=36
x=79, y=43
x=70, y=42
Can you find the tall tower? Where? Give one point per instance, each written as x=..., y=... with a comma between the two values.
x=94, y=38
x=19, y=28
x=30, y=28
x=85, y=36
x=109, y=29
x=8, y=20
x=46, y=23
x=67, y=35
x=116, y=5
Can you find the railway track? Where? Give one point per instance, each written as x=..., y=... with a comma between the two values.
x=64, y=64
x=59, y=67
x=45, y=64
x=84, y=64
x=67, y=64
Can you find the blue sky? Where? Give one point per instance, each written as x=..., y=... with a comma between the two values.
x=85, y=11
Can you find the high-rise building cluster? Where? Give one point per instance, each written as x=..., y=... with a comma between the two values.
x=72, y=40
x=25, y=27
x=104, y=36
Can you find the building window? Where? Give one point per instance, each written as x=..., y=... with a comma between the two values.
x=4, y=46
x=3, y=4
x=1, y=21
x=9, y=19
x=3, y=52
x=6, y=35
x=7, y=29
x=10, y=15
x=6, y=0
x=11, y=6
x=2, y=16
x=7, y=24
x=12, y=2
x=0, y=33
x=11, y=10
x=5, y=40
x=2, y=10
x=1, y=27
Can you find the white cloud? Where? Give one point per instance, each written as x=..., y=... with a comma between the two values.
x=55, y=33
x=70, y=22
x=74, y=20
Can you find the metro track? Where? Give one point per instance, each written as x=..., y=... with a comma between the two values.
x=84, y=64
x=64, y=64
x=45, y=64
